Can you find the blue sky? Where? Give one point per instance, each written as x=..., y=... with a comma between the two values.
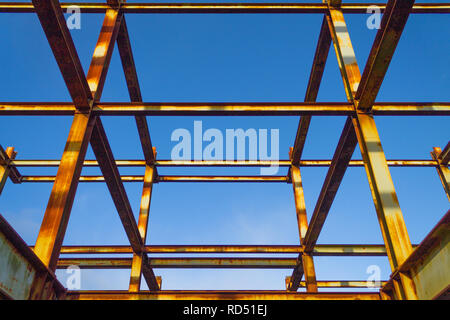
x=214, y=58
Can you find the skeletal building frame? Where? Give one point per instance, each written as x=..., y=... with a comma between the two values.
x=406, y=281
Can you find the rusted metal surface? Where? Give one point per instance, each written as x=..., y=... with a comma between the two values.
x=111, y=176
x=226, y=109
x=140, y=261
x=426, y=264
x=340, y=283
x=390, y=216
x=58, y=35
x=129, y=68
x=416, y=274
x=101, y=58
x=56, y=217
x=319, y=250
x=136, y=178
x=386, y=203
x=391, y=28
x=320, y=58
x=225, y=7
x=223, y=163
x=388, y=210
x=54, y=224
x=219, y=295
x=305, y=262
x=348, y=140
x=335, y=174
x=20, y=268
x=156, y=262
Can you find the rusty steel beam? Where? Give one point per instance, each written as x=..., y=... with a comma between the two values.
x=222, y=108
x=436, y=237
x=442, y=168
x=348, y=140
x=140, y=263
x=101, y=58
x=341, y=284
x=56, y=217
x=391, y=28
x=305, y=264
x=425, y=265
x=390, y=217
x=320, y=58
x=134, y=90
x=348, y=66
x=226, y=109
x=389, y=214
x=333, y=179
x=354, y=8
x=393, y=228
x=111, y=176
x=223, y=163
x=338, y=250
x=6, y=169
x=220, y=295
x=100, y=145
x=22, y=273
x=55, y=28
x=164, y=263
x=54, y=224
x=345, y=284
x=279, y=249
x=114, y=182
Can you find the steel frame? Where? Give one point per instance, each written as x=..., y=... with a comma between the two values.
x=87, y=110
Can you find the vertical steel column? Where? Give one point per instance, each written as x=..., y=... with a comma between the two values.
x=9, y=155
x=307, y=262
x=398, y=245
x=136, y=266
x=442, y=168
